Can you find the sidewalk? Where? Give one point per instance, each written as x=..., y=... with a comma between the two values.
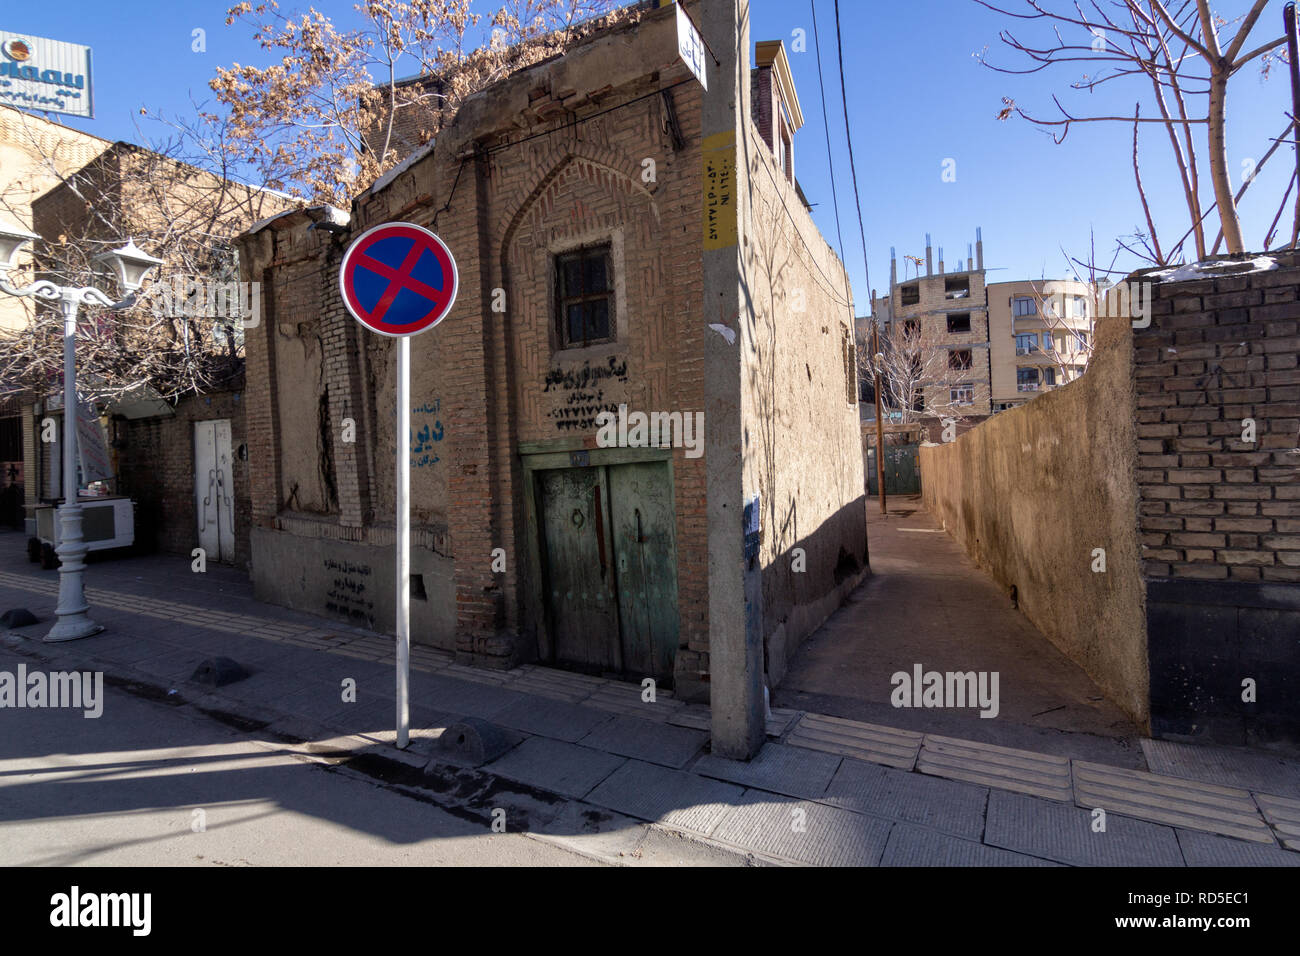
x=592, y=767
x=926, y=603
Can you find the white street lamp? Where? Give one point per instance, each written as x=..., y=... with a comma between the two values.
x=130, y=265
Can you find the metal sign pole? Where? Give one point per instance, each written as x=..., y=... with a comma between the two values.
x=403, y=494
x=399, y=279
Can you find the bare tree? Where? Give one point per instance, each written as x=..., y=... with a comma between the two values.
x=322, y=122
x=918, y=371
x=1176, y=48
x=185, y=334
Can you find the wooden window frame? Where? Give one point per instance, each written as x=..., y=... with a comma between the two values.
x=562, y=301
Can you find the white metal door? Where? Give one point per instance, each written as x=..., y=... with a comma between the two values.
x=212, y=489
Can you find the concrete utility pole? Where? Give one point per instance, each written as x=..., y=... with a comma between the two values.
x=880, y=424
x=735, y=582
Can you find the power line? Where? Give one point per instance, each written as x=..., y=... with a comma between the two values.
x=826, y=124
x=839, y=47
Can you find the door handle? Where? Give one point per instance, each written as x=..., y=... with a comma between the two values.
x=600, y=532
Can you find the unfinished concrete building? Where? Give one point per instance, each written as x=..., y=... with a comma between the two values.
x=626, y=242
x=950, y=309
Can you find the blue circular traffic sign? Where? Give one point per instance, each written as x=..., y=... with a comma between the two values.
x=398, y=279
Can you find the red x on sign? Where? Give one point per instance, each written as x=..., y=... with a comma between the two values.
x=398, y=279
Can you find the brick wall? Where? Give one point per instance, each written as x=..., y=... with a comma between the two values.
x=555, y=157
x=1219, y=514
x=156, y=469
x=1214, y=506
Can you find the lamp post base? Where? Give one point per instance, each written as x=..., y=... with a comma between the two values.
x=72, y=628
x=73, y=623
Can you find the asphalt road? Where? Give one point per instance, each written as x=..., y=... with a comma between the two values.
x=148, y=785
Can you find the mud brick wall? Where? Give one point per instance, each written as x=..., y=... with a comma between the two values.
x=1219, y=515
x=1032, y=491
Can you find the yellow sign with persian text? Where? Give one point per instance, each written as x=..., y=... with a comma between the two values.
x=720, y=229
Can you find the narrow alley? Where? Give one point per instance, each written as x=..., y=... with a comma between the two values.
x=926, y=603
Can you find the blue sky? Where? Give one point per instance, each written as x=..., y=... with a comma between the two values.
x=917, y=97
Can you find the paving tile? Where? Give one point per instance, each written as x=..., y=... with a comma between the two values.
x=426, y=726
x=779, y=721
x=1208, y=849
x=1283, y=815
x=663, y=795
x=1003, y=767
x=955, y=808
x=1171, y=800
x=568, y=769
x=647, y=740
x=778, y=768
x=456, y=696
x=1225, y=766
x=803, y=831
x=695, y=716
x=550, y=718
x=560, y=685
x=851, y=738
x=124, y=649
x=334, y=667
x=317, y=701
x=478, y=675
x=175, y=666
x=591, y=830
x=621, y=698
x=1058, y=831
x=255, y=653
x=918, y=846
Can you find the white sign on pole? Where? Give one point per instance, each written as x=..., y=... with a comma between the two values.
x=690, y=46
x=95, y=463
x=46, y=75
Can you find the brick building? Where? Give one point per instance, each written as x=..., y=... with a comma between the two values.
x=624, y=241
x=178, y=461
x=34, y=153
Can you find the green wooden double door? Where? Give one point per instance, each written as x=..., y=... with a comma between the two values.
x=902, y=470
x=609, y=568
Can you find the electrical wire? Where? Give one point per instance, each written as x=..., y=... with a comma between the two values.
x=826, y=125
x=839, y=46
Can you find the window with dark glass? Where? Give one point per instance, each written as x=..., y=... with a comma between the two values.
x=584, y=286
x=1023, y=306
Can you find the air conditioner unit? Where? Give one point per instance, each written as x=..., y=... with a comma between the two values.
x=105, y=523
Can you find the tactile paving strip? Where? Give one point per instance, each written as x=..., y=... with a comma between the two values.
x=1283, y=814
x=1020, y=770
x=850, y=738
x=1170, y=800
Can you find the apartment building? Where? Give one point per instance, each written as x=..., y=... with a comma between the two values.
x=1040, y=337
x=943, y=311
